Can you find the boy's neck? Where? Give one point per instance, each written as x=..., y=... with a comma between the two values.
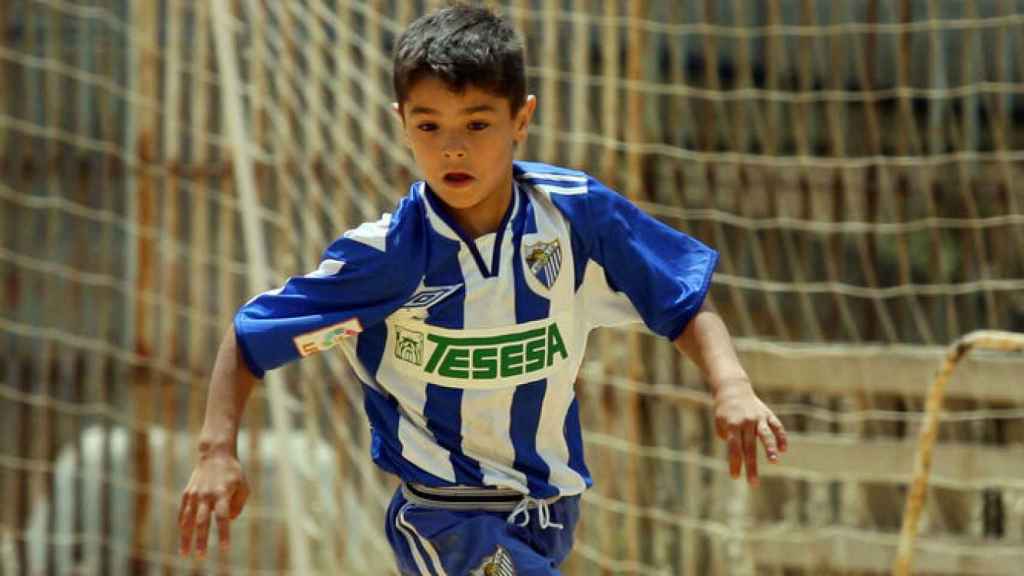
x=486, y=217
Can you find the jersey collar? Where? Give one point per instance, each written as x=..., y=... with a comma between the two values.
x=441, y=211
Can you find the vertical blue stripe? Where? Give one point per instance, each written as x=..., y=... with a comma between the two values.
x=443, y=407
x=381, y=409
x=528, y=398
x=574, y=439
x=443, y=410
x=526, y=405
x=573, y=208
x=529, y=305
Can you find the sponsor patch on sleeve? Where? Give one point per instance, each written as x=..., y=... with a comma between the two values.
x=326, y=338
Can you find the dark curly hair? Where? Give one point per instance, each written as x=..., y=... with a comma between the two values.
x=462, y=46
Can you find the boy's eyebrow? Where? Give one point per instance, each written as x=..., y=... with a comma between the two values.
x=468, y=110
x=478, y=108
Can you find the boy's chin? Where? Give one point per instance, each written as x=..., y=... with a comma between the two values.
x=455, y=197
x=457, y=202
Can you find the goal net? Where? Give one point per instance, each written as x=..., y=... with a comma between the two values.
x=855, y=163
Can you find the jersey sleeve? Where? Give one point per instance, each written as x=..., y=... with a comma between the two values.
x=639, y=268
x=362, y=278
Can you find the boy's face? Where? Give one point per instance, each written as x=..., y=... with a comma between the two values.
x=464, y=142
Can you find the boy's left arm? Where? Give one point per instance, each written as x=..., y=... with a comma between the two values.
x=741, y=418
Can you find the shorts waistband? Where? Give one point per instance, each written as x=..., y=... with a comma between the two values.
x=466, y=497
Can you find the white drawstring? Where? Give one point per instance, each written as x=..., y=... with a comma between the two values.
x=543, y=513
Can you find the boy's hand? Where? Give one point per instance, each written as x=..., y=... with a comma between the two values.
x=217, y=489
x=741, y=418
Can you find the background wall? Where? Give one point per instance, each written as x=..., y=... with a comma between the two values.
x=857, y=163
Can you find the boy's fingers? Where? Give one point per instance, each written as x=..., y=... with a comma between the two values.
x=780, y=432
x=771, y=449
x=750, y=453
x=238, y=498
x=182, y=507
x=202, y=527
x=735, y=454
x=721, y=429
x=223, y=514
x=186, y=521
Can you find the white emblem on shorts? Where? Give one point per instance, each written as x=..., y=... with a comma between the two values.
x=497, y=564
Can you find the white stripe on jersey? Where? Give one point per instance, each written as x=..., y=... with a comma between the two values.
x=488, y=412
x=327, y=268
x=579, y=181
x=614, y=308
x=373, y=234
x=419, y=445
x=349, y=346
x=570, y=178
x=436, y=222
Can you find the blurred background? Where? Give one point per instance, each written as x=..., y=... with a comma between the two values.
x=857, y=163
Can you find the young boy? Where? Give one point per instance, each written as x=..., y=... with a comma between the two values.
x=465, y=315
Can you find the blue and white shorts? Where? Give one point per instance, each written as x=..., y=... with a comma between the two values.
x=479, y=531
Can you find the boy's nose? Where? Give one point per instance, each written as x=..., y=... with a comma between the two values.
x=453, y=147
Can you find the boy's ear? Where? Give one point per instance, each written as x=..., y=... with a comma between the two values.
x=523, y=117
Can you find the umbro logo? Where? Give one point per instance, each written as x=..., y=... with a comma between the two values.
x=428, y=296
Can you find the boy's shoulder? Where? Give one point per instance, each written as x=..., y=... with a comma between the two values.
x=563, y=182
x=551, y=178
x=391, y=249
x=525, y=169
x=580, y=197
x=405, y=222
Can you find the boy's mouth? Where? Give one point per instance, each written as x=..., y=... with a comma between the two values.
x=457, y=178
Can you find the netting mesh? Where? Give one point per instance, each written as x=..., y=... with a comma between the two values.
x=853, y=162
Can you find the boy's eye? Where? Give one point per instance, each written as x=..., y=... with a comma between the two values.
x=477, y=126
x=427, y=126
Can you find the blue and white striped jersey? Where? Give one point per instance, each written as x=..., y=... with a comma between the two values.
x=468, y=349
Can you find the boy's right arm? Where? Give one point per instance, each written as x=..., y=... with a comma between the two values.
x=356, y=286
x=217, y=488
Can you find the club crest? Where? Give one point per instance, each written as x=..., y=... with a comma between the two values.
x=544, y=259
x=497, y=564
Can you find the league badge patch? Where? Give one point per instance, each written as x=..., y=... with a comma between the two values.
x=326, y=338
x=544, y=259
x=497, y=564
